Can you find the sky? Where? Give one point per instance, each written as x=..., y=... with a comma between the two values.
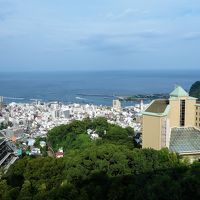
x=39, y=35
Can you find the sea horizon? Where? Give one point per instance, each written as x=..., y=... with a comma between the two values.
x=67, y=86
x=99, y=70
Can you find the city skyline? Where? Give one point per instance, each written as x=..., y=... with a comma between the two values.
x=87, y=35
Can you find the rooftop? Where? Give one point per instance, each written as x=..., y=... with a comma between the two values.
x=158, y=106
x=185, y=140
x=179, y=92
x=2, y=135
x=1, y=141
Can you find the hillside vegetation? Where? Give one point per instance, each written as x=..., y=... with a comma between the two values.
x=74, y=136
x=195, y=90
x=105, y=171
x=107, y=168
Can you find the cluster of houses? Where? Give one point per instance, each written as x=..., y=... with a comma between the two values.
x=35, y=119
x=23, y=123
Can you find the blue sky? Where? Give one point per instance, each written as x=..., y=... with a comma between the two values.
x=99, y=34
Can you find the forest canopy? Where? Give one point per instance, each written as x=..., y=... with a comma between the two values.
x=75, y=135
x=104, y=171
x=107, y=168
x=195, y=90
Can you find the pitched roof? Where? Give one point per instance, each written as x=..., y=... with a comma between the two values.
x=179, y=92
x=185, y=140
x=158, y=108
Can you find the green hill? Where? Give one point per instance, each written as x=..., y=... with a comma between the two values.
x=101, y=172
x=195, y=90
x=107, y=168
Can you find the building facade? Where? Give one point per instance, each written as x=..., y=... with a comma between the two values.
x=116, y=105
x=171, y=119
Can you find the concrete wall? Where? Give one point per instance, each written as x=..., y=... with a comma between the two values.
x=174, y=114
x=151, y=132
x=156, y=130
x=168, y=133
x=190, y=112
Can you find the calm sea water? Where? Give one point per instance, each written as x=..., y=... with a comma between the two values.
x=85, y=87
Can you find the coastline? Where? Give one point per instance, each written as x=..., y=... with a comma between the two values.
x=96, y=87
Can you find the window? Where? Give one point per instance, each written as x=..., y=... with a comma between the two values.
x=182, y=112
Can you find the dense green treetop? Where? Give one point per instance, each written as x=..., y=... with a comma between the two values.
x=104, y=171
x=108, y=168
x=74, y=135
x=195, y=90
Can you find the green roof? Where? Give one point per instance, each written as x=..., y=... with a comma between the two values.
x=19, y=152
x=179, y=92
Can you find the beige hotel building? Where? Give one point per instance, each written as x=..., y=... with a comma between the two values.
x=173, y=123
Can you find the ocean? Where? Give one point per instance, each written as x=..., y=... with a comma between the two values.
x=96, y=87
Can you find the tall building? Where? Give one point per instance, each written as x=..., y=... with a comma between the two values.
x=66, y=114
x=117, y=105
x=173, y=123
x=1, y=102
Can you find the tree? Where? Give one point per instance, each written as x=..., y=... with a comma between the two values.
x=100, y=125
x=195, y=90
x=26, y=192
x=118, y=135
x=74, y=136
x=104, y=171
